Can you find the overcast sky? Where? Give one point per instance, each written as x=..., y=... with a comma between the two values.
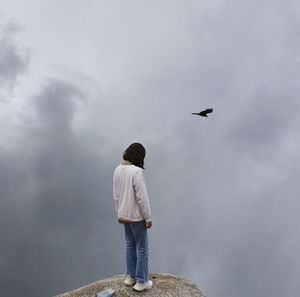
x=81, y=80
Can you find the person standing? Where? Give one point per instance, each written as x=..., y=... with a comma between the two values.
x=133, y=209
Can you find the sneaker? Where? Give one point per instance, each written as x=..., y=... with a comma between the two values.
x=129, y=281
x=142, y=286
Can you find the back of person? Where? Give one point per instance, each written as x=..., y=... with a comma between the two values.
x=133, y=209
x=132, y=202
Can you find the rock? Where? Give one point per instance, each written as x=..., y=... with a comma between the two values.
x=164, y=285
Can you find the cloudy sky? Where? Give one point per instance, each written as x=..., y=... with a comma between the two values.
x=81, y=80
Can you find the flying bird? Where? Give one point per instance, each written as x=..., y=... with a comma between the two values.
x=204, y=112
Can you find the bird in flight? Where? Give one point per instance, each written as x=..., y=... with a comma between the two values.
x=204, y=112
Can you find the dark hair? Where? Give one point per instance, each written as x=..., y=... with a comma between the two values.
x=135, y=154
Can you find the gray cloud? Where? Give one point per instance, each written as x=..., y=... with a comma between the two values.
x=60, y=196
x=223, y=190
x=267, y=121
x=13, y=59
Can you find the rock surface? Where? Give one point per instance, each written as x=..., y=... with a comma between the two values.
x=164, y=285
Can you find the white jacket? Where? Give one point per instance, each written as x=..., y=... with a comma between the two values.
x=130, y=193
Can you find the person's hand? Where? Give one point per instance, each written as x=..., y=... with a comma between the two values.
x=149, y=224
x=120, y=221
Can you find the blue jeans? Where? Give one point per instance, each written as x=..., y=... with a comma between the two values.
x=137, y=250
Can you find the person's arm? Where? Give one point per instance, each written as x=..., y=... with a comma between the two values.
x=116, y=197
x=142, y=196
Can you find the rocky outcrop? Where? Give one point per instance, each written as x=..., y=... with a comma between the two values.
x=164, y=285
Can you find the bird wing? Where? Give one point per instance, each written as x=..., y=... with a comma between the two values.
x=205, y=112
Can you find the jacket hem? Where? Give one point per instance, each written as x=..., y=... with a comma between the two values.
x=136, y=219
